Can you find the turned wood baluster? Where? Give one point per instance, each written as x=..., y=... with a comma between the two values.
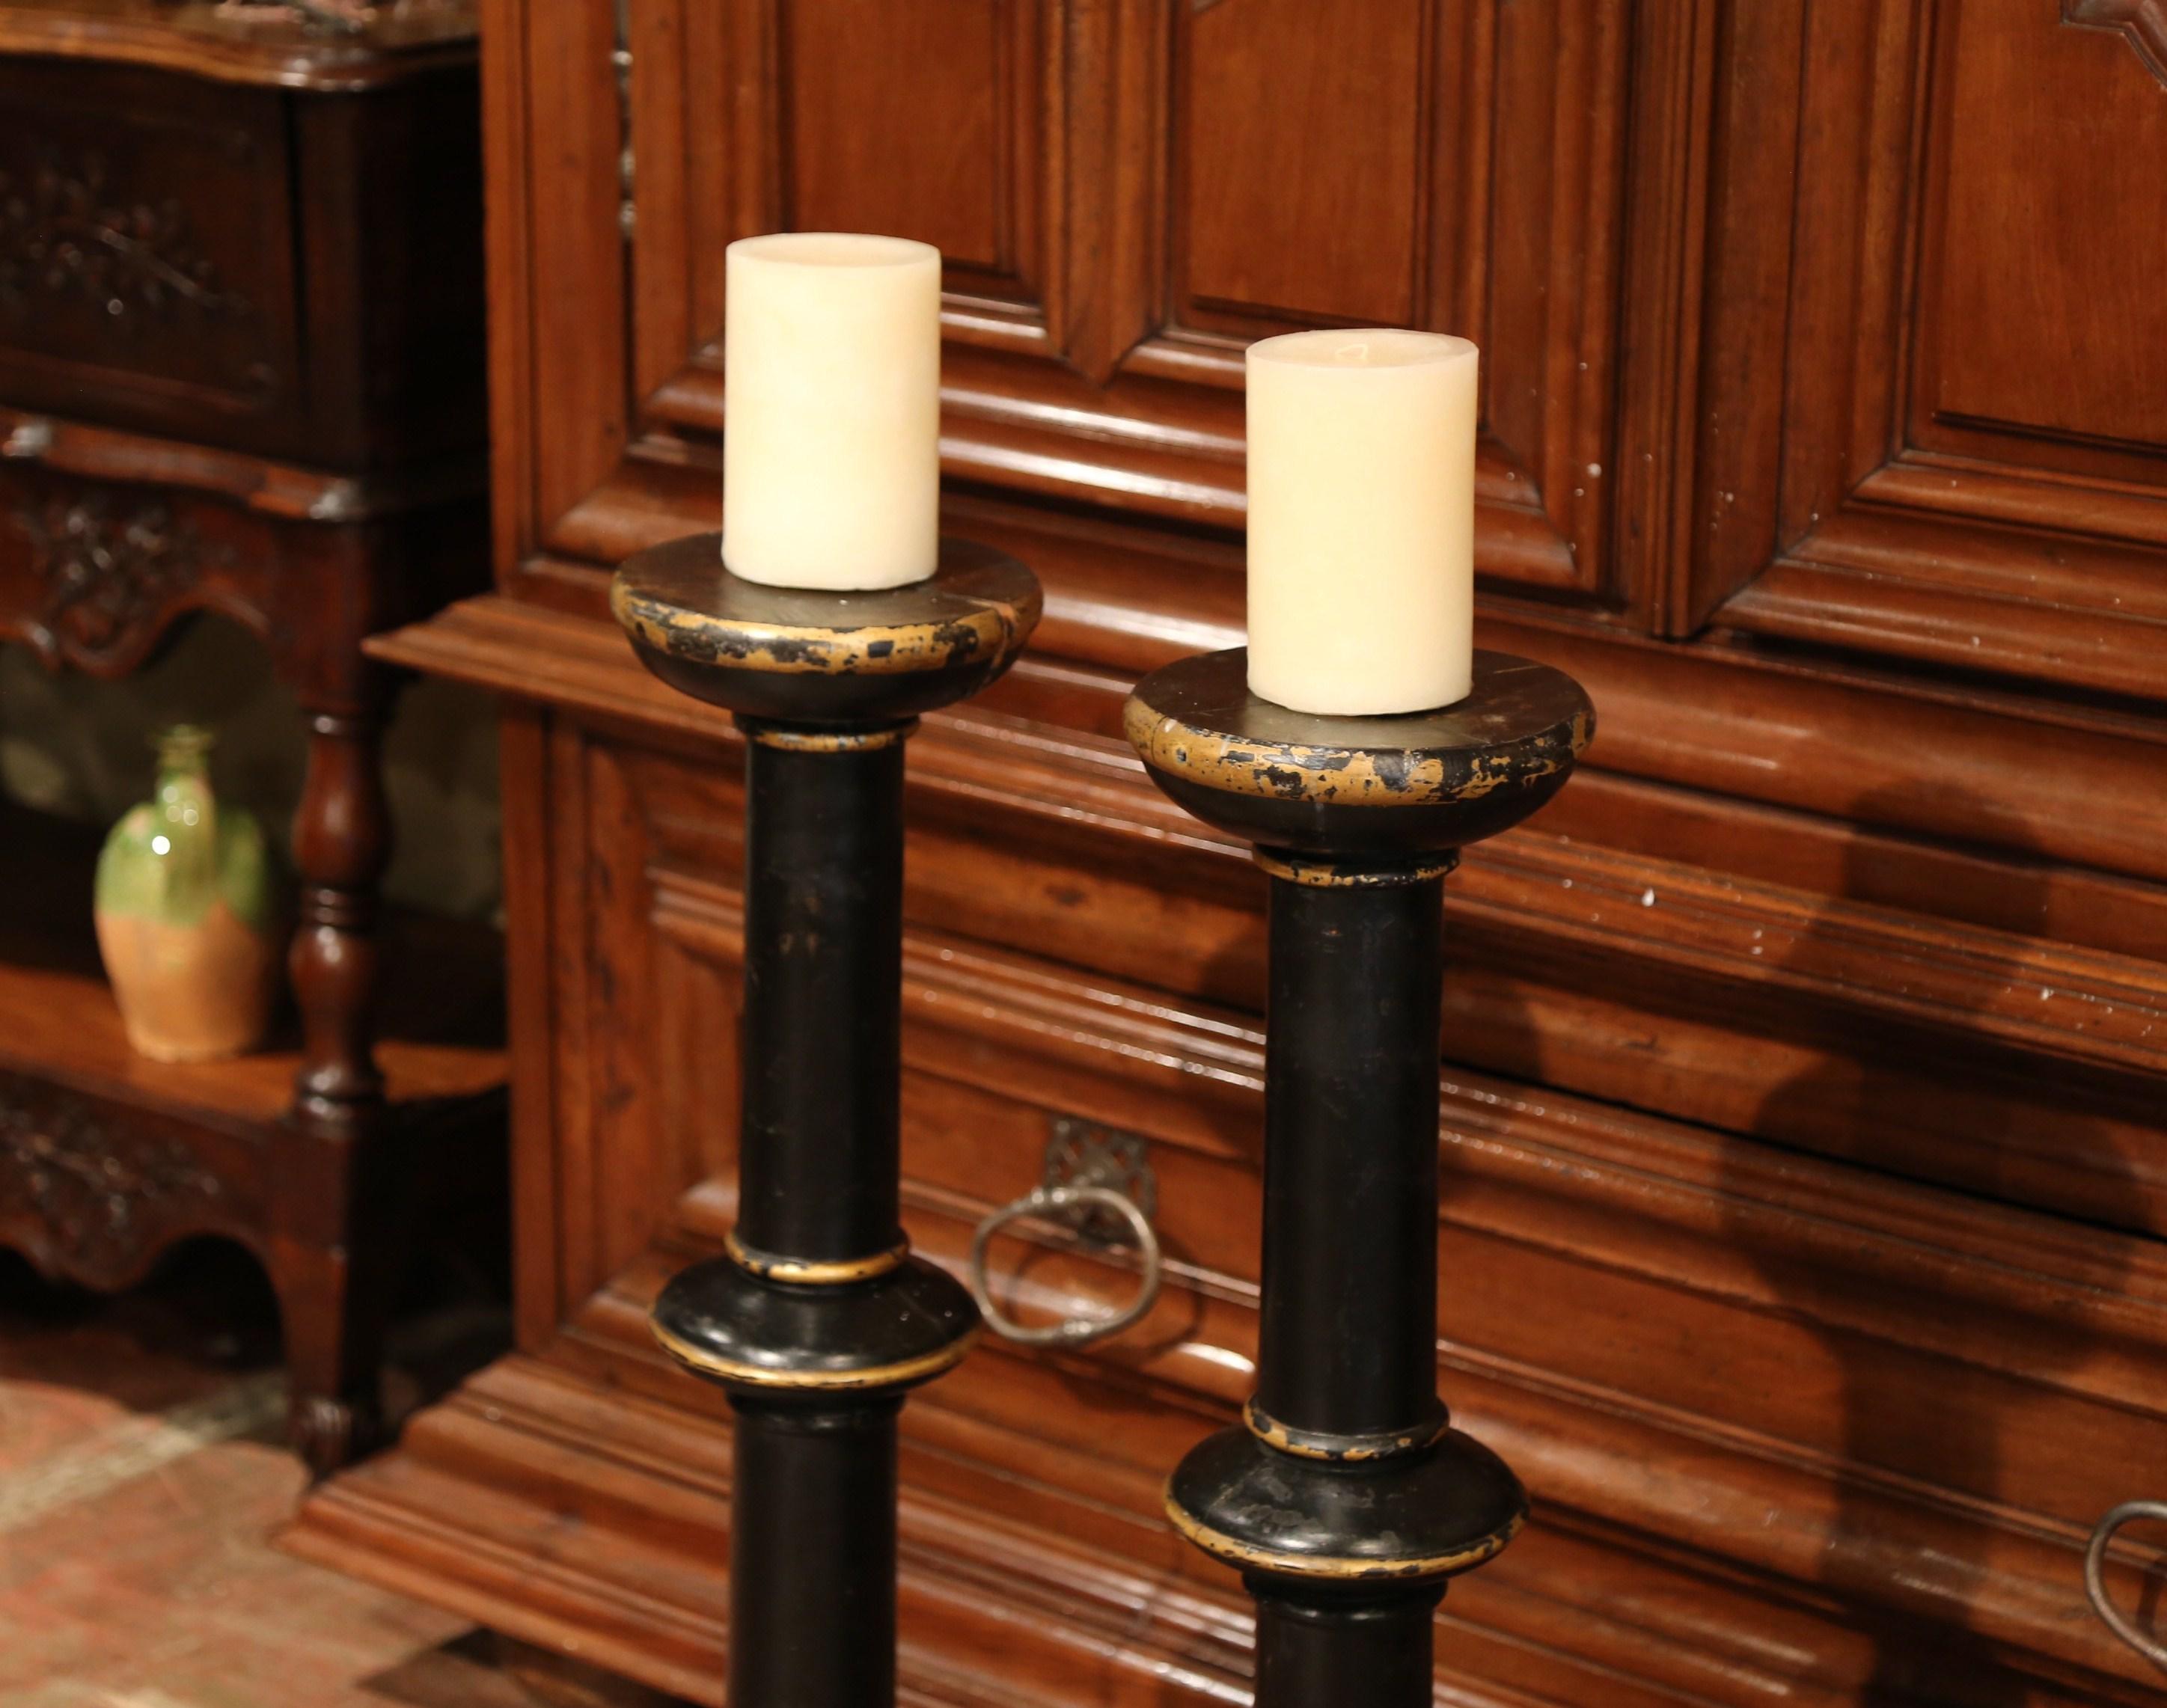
x=341, y=843
x=330, y=1180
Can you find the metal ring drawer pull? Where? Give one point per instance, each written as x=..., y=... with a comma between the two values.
x=1057, y=1202
x=2129, y=1512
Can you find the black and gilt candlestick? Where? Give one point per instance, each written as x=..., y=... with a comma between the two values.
x=1346, y=1498
x=820, y=1319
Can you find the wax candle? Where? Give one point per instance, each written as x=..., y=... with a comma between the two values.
x=831, y=449
x=1361, y=520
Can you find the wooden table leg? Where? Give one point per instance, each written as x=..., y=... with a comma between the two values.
x=330, y=1179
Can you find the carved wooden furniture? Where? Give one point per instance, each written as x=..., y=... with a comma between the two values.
x=240, y=353
x=1803, y=1163
x=818, y=1320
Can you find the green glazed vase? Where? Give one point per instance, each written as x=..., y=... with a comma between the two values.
x=185, y=905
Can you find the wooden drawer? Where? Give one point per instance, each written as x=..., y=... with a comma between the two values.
x=146, y=248
x=292, y=273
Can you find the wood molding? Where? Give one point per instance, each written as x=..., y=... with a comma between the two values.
x=92, y=1193
x=2144, y=22
x=1080, y=946
x=1740, y=997
x=487, y=1510
x=271, y=488
x=1063, y=377
x=1008, y=1022
x=205, y=39
x=1864, y=486
x=1806, y=1162
x=1728, y=724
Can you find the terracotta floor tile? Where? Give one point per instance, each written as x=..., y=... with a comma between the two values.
x=138, y=1486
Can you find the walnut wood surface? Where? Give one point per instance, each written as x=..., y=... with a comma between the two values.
x=1805, y=1164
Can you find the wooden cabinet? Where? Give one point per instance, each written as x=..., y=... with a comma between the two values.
x=241, y=320
x=1805, y=1141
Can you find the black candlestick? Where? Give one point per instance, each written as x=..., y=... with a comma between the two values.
x=819, y=1319
x=1347, y=1499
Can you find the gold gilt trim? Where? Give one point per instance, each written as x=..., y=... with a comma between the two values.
x=704, y=1362
x=802, y=1272
x=798, y=739
x=1338, y=776
x=978, y=627
x=1327, y=874
x=1336, y=1567
x=1365, y=1449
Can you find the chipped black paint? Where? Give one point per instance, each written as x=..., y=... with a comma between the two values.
x=793, y=653
x=1347, y=1501
x=820, y=1320
x=1412, y=1521
x=1314, y=785
x=1347, y=1449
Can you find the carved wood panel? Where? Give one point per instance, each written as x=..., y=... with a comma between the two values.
x=1127, y=193
x=2142, y=23
x=2039, y=287
x=145, y=241
x=947, y=152
x=1934, y=424
x=109, y=572
x=1771, y=181
x=93, y=574
x=1257, y=234
x=95, y=1192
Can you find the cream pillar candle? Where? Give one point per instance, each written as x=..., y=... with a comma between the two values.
x=1361, y=520
x=831, y=448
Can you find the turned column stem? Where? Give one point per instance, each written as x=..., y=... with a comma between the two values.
x=329, y=1188
x=817, y=1163
x=1315, y=1647
x=1348, y=1345
x=812, y=1553
x=341, y=844
x=813, y=1542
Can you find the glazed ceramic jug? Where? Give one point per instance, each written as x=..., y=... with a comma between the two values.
x=184, y=906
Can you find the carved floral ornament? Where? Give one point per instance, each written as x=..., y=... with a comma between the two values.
x=103, y=1198
x=334, y=17
x=65, y=231
x=107, y=574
